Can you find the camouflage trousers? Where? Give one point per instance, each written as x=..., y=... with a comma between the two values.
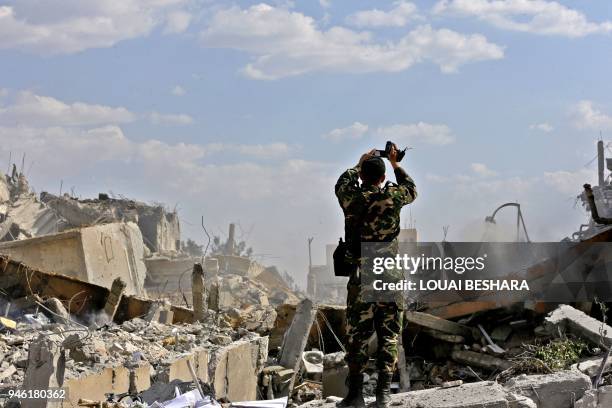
x=363, y=320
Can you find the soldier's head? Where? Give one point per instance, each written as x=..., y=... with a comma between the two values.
x=372, y=171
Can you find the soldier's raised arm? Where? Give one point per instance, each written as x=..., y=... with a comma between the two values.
x=406, y=189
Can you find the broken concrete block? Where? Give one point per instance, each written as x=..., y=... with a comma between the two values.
x=59, y=314
x=573, y=320
x=520, y=401
x=436, y=323
x=234, y=370
x=221, y=339
x=96, y=254
x=335, y=372
x=166, y=316
x=117, y=380
x=7, y=323
x=6, y=373
x=473, y=395
x=46, y=368
x=198, y=292
x=557, y=390
x=591, y=366
x=113, y=299
x=599, y=398
x=296, y=337
x=588, y=400
x=155, y=311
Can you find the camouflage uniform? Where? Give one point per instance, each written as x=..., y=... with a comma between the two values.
x=378, y=211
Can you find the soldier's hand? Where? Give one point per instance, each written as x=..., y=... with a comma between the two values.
x=393, y=156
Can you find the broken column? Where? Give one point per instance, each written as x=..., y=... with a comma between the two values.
x=114, y=297
x=198, y=292
x=46, y=367
x=296, y=337
x=211, y=268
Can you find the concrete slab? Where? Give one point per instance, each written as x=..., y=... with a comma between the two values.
x=573, y=320
x=234, y=369
x=96, y=254
x=557, y=390
x=473, y=395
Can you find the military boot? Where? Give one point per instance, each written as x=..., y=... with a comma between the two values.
x=383, y=389
x=354, y=398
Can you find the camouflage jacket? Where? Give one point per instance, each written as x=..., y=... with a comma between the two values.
x=378, y=208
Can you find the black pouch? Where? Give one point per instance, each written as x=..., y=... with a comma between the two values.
x=341, y=266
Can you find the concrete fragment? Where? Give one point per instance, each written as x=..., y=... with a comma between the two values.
x=7, y=323
x=591, y=366
x=588, y=400
x=59, y=314
x=6, y=373
x=520, y=401
x=113, y=379
x=198, y=292
x=234, y=369
x=566, y=317
x=473, y=395
x=296, y=337
x=480, y=360
x=46, y=368
x=557, y=390
x=334, y=376
x=437, y=323
x=113, y=299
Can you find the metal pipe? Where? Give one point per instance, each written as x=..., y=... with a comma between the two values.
x=600, y=162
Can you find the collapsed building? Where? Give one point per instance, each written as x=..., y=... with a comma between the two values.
x=98, y=298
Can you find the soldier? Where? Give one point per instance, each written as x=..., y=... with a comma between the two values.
x=372, y=214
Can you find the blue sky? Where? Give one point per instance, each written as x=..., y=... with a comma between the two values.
x=247, y=112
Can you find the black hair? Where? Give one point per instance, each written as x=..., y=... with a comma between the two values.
x=372, y=169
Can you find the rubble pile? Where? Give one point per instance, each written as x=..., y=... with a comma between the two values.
x=160, y=228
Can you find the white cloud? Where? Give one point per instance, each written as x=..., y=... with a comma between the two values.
x=31, y=109
x=569, y=182
x=543, y=127
x=69, y=26
x=261, y=151
x=531, y=16
x=588, y=116
x=170, y=118
x=416, y=133
x=325, y=3
x=3, y=92
x=398, y=16
x=354, y=131
x=288, y=43
x=177, y=22
x=178, y=91
x=482, y=170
